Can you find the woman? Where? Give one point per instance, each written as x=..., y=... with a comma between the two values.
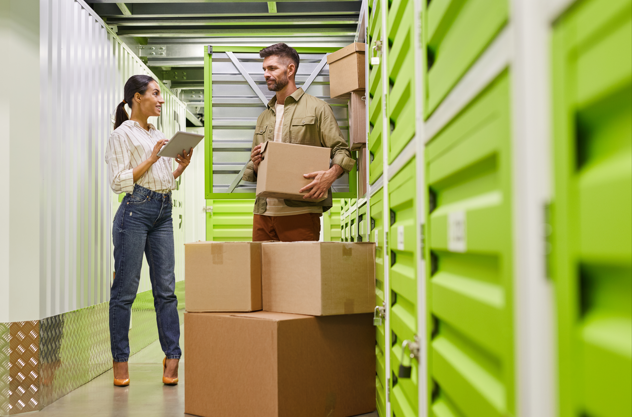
x=143, y=224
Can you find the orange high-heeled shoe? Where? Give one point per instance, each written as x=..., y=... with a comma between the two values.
x=121, y=382
x=165, y=380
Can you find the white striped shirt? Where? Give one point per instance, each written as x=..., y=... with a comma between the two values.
x=129, y=145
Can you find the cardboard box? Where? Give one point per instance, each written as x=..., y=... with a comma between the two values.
x=318, y=278
x=363, y=162
x=346, y=69
x=278, y=365
x=284, y=164
x=222, y=276
x=357, y=120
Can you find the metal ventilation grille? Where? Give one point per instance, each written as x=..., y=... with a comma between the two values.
x=236, y=107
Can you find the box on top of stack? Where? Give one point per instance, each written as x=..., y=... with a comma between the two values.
x=318, y=278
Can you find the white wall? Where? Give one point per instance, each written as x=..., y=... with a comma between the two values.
x=57, y=110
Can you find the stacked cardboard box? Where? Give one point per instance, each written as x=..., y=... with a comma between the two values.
x=310, y=352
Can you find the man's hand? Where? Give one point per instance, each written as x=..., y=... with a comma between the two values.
x=322, y=182
x=255, y=157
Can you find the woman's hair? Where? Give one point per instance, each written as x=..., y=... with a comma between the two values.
x=135, y=84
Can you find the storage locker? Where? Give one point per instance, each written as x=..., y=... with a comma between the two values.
x=469, y=248
x=456, y=33
x=402, y=247
x=591, y=263
x=331, y=223
x=376, y=114
x=362, y=224
x=229, y=220
x=401, y=110
x=376, y=234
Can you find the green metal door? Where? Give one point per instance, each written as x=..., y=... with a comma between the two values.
x=401, y=75
x=469, y=246
x=376, y=114
x=402, y=246
x=456, y=33
x=229, y=220
x=591, y=212
x=331, y=223
x=376, y=234
x=362, y=225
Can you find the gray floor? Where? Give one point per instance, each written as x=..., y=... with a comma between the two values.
x=145, y=397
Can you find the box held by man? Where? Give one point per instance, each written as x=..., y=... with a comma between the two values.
x=281, y=172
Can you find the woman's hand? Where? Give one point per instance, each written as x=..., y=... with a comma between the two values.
x=157, y=147
x=183, y=162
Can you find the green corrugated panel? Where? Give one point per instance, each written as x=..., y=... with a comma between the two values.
x=353, y=227
x=362, y=224
x=402, y=244
x=331, y=223
x=591, y=263
x=230, y=221
x=456, y=34
x=469, y=235
x=376, y=231
x=376, y=115
x=401, y=75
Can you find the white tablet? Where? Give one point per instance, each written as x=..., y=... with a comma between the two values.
x=180, y=141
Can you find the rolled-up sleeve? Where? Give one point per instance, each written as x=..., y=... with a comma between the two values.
x=120, y=171
x=332, y=138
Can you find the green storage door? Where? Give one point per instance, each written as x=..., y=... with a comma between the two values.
x=376, y=115
x=456, y=33
x=402, y=244
x=230, y=220
x=401, y=75
x=376, y=234
x=331, y=223
x=362, y=224
x=592, y=224
x=469, y=245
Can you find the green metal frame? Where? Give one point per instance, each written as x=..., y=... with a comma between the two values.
x=208, y=124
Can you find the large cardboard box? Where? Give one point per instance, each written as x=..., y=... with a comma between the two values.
x=318, y=278
x=222, y=276
x=278, y=365
x=283, y=166
x=357, y=120
x=346, y=69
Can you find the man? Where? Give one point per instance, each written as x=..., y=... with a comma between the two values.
x=292, y=116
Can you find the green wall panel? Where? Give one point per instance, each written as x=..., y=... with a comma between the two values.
x=402, y=246
x=230, y=221
x=456, y=34
x=376, y=104
x=376, y=235
x=401, y=75
x=331, y=223
x=469, y=245
x=591, y=263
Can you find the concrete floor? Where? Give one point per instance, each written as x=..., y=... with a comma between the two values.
x=145, y=397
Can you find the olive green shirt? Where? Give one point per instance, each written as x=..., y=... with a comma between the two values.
x=307, y=121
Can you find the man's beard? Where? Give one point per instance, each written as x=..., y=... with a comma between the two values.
x=279, y=84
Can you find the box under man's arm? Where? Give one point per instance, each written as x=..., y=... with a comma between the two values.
x=332, y=137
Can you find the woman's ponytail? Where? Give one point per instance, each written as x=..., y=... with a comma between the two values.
x=121, y=115
x=135, y=84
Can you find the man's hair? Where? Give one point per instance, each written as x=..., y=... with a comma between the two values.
x=281, y=50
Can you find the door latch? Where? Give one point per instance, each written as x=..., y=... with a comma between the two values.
x=379, y=314
x=413, y=353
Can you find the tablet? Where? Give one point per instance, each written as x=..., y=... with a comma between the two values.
x=179, y=141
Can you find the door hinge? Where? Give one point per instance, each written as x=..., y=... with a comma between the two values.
x=388, y=390
x=209, y=49
x=422, y=239
x=207, y=209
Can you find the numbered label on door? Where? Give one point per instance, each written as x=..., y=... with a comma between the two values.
x=457, y=239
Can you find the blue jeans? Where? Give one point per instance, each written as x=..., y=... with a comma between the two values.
x=143, y=224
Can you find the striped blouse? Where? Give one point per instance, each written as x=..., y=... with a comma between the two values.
x=128, y=146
